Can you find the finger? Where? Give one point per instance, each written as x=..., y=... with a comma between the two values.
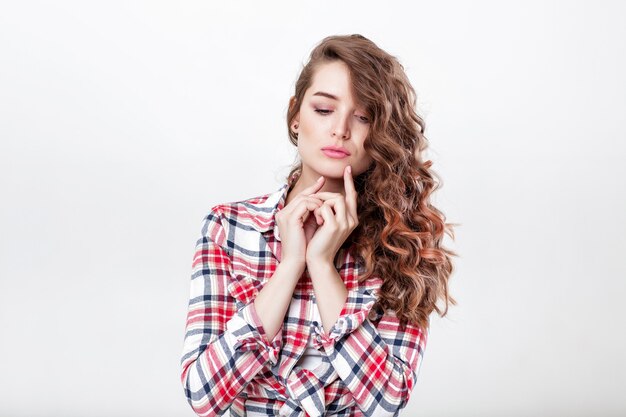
x=339, y=206
x=346, y=209
x=351, y=195
x=298, y=199
x=318, y=203
x=312, y=198
x=318, y=216
x=313, y=188
x=348, y=181
x=302, y=209
x=327, y=215
x=326, y=195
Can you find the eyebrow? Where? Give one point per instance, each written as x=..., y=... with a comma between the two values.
x=322, y=93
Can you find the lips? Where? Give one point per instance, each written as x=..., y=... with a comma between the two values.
x=334, y=154
x=336, y=149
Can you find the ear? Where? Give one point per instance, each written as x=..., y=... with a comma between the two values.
x=296, y=118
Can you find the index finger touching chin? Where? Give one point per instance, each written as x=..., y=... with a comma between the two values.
x=348, y=181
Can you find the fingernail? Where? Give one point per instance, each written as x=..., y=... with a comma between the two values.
x=349, y=169
x=320, y=178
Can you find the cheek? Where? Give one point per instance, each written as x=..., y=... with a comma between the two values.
x=306, y=144
x=310, y=126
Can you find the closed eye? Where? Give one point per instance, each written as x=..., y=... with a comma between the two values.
x=327, y=112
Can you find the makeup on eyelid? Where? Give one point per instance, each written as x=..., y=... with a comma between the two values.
x=326, y=112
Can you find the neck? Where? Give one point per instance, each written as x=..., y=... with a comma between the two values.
x=332, y=185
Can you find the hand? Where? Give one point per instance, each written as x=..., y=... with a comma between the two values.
x=335, y=226
x=296, y=226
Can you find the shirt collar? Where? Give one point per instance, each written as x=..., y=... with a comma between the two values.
x=265, y=209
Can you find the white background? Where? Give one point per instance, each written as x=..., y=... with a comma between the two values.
x=123, y=122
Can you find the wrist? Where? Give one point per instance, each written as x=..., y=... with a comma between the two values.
x=292, y=265
x=320, y=264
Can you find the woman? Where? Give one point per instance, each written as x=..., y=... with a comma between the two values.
x=316, y=298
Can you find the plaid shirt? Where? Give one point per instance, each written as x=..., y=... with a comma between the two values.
x=369, y=364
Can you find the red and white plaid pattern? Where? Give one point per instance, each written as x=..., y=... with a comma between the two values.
x=369, y=364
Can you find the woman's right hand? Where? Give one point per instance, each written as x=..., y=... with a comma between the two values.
x=295, y=224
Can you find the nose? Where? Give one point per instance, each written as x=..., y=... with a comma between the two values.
x=341, y=128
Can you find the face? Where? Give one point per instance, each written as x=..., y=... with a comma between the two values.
x=329, y=117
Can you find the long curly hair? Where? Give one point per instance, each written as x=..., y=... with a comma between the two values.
x=399, y=234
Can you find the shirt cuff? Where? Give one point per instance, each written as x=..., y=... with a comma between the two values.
x=248, y=334
x=277, y=232
x=356, y=310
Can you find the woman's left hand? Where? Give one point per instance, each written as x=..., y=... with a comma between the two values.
x=337, y=225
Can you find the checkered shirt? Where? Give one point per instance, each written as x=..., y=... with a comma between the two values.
x=228, y=364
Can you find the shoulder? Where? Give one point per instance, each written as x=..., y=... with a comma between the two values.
x=252, y=206
x=254, y=214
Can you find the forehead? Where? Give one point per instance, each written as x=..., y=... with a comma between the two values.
x=332, y=78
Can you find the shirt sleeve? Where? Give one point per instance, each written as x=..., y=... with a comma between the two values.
x=379, y=363
x=224, y=347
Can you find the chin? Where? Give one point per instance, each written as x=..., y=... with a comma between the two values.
x=330, y=168
x=333, y=172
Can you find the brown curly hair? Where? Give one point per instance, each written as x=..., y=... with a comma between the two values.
x=399, y=234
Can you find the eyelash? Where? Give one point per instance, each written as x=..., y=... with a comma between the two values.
x=325, y=112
